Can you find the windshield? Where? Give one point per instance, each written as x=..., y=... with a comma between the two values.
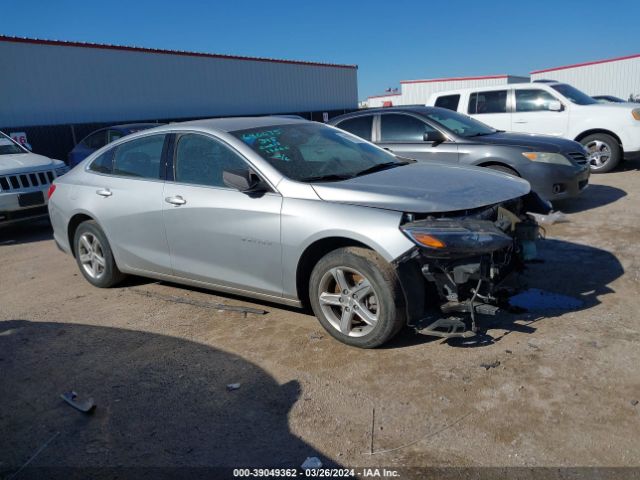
x=8, y=146
x=308, y=152
x=573, y=94
x=459, y=124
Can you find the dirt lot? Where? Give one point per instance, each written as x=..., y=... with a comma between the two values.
x=558, y=387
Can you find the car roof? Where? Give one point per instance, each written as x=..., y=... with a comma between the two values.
x=134, y=126
x=231, y=124
x=419, y=109
x=490, y=88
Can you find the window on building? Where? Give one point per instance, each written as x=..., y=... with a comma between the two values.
x=140, y=158
x=449, y=102
x=201, y=160
x=488, y=102
x=359, y=126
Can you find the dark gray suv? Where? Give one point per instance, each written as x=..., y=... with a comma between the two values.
x=556, y=168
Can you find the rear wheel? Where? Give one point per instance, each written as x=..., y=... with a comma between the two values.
x=357, y=297
x=94, y=256
x=604, y=152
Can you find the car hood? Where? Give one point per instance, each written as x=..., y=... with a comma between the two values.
x=426, y=188
x=532, y=142
x=26, y=162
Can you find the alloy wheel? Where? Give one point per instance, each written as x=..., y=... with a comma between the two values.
x=91, y=255
x=599, y=154
x=348, y=301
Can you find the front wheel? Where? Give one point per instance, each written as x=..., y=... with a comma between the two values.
x=604, y=152
x=357, y=297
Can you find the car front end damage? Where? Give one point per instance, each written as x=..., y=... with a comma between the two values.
x=460, y=262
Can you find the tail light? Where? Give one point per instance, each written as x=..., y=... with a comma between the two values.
x=52, y=188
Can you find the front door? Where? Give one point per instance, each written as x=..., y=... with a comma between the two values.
x=404, y=135
x=217, y=234
x=532, y=114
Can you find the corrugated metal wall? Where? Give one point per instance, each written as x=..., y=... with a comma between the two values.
x=619, y=77
x=62, y=84
x=417, y=92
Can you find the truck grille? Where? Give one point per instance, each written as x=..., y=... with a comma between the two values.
x=26, y=180
x=578, y=157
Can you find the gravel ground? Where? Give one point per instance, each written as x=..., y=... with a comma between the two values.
x=555, y=387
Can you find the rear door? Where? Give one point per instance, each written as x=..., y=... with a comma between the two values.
x=360, y=126
x=490, y=107
x=125, y=193
x=403, y=134
x=217, y=234
x=532, y=114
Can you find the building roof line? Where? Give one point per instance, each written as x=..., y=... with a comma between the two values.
x=454, y=79
x=584, y=64
x=385, y=95
x=62, y=43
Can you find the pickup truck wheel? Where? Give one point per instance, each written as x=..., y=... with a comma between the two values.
x=604, y=152
x=357, y=297
x=94, y=256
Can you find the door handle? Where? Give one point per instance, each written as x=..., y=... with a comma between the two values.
x=104, y=192
x=520, y=121
x=177, y=200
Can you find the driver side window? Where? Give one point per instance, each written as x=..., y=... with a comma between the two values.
x=200, y=160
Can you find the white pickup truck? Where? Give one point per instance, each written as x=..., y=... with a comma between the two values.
x=610, y=132
x=25, y=178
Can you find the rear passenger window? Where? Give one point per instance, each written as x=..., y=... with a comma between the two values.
x=95, y=140
x=488, y=102
x=448, y=101
x=200, y=160
x=103, y=164
x=359, y=126
x=139, y=158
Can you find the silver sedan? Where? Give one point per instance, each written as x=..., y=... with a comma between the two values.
x=294, y=212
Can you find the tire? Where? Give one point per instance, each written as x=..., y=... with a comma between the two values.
x=373, y=291
x=605, y=152
x=94, y=256
x=503, y=169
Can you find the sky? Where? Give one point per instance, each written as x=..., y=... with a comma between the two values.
x=389, y=41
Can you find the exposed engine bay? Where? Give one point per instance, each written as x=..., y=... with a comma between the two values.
x=464, y=257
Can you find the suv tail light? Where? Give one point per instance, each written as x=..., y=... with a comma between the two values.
x=52, y=188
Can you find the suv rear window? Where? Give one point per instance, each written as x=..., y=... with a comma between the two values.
x=488, y=102
x=449, y=102
x=359, y=126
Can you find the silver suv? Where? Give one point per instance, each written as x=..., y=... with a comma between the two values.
x=299, y=213
x=24, y=180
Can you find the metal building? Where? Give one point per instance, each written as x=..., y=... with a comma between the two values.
x=615, y=76
x=417, y=92
x=48, y=83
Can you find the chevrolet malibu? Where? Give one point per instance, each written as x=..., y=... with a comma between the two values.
x=300, y=213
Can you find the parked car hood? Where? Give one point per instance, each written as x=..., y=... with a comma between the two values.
x=426, y=188
x=533, y=142
x=23, y=162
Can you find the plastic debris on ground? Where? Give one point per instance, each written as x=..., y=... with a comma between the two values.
x=85, y=406
x=550, y=218
x=311, y=463
x=233, y=386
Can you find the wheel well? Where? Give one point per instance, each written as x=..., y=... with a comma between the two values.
x=598, y=130
x=75, y=221
x=500, y=164
x=312, y=254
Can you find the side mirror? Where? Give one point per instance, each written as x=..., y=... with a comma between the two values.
x=555, y=106
x=434, y=137
x=244, y=181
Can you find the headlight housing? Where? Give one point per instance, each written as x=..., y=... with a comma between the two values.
x=450, y=238
x=546, y=157
x=636, y=113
